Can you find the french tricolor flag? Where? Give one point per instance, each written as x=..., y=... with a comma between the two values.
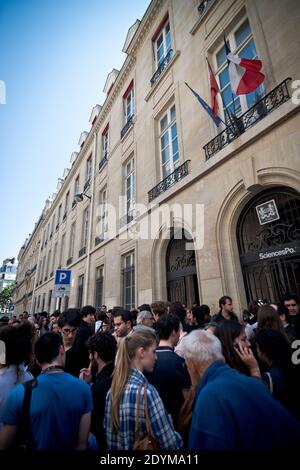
x=244, y=74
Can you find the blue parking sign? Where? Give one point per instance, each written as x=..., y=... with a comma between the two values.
x=63, y=276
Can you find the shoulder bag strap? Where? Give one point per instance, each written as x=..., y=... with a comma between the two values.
x=25, y=425
x=137, y=416
x=146, y=410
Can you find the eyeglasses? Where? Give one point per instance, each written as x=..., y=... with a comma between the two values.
x=67, y=331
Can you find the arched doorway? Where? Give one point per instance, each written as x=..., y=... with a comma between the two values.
x=268, y=234
x=182, y=282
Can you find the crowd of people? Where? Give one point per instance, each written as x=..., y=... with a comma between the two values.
x=87, y=379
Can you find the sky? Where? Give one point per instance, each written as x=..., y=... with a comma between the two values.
x=55, y=56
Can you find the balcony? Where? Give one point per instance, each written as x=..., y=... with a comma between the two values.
x=69, y=260
x=103, y=162
x=239, y=125
x=82, y=252
x=127, y=126
x=163, y=64
x=87, y=184
x=170, y=180
x=204, y=5
x=99, y=239
x=126, y=219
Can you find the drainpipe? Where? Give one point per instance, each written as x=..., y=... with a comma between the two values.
x=87, y=271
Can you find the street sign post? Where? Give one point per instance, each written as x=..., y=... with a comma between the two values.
x=62, y=283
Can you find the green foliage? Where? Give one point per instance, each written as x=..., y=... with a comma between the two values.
x=5, y=296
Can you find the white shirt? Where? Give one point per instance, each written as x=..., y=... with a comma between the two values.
x=9, y=379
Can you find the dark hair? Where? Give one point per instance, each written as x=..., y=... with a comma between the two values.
x=267, y=317
x=124, y=314
x=144, y=307
x=87, y=310
x=167, y=323
x=178, y=310
x=199, y=314
x=18, y=339
x=101, y=315
x=47, y=347
x=69, y=317
x=222, y=300
x=283, y=310
x=274, y=346
x=227, y=331
x=289, y=296
x=104, y=344
x=159, y=307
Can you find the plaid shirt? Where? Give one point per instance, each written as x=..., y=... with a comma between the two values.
x=161, y=425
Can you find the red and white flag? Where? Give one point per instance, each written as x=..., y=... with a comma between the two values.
x=214, y=90
x=244, y=74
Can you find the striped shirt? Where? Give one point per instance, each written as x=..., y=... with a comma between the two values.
x=161, y=425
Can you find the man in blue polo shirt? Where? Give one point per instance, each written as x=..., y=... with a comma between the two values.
x=60, y=409
x=232, y=411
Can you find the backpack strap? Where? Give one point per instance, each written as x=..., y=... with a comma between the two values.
x=146, y=410
x=25, y=429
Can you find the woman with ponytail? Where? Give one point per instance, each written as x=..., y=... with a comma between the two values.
x=136, y=354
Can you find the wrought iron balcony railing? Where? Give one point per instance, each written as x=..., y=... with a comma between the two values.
x=82, y=251
x=166, y=183
x=126, y=219
x=127, y=126
x=99, y=239
x=103, y=162
x=69, y=260
x=162, y=65
x=239, y=125
x=87, y=184
x=203, y=6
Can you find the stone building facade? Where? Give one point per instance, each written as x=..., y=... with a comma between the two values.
x=154, y=145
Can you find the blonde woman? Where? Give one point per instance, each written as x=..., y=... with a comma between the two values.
x=136, y=354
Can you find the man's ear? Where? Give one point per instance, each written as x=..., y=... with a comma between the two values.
x=61, y=350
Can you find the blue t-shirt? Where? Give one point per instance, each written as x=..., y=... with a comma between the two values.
x=57, y=405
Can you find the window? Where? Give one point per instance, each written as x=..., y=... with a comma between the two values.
x=80, y=291
x=99, y=288
x=129, y=189
x=67, y=202
x=104, y=144
x=62, y=250
x=88, y=172
x=128, y=273
x=38, y=303
x=168, y=142
x=53, y=224
x=103, y=213
x=43, y=301
x=49, y=300
x=85, y=227
x=53, y=259
x=128, y=101
x=72, y=241
x=43, y=270
x=241, y=43
x=162, y=43
x=48, y=264
x=58, y=215
x=76, y=186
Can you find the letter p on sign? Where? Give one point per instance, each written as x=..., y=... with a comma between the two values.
x=62, y=277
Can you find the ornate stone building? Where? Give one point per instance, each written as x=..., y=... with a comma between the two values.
x=153, y=144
